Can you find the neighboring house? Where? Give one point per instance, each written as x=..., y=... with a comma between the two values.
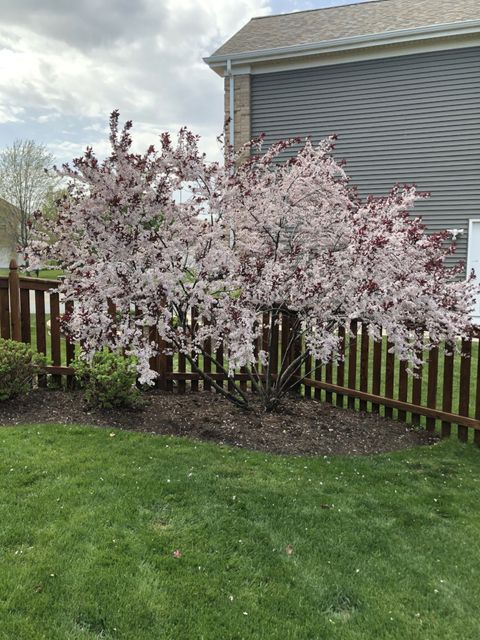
x=7, y=233
x=397, y=80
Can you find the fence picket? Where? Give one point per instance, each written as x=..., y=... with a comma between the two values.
x=352, y=361
x=207, y=363
x=464, y=396
x=296, y=352
x=162, y=366
x=417, y=391
x=341, y=365
x=285, y=338
x=308, y=389
x=182, y=368
x=25, y=315
x=15, y=310
x=4, y=313
x=329, y=378
x=364, y=354
x=377, y=371
x=389, y=376
x=402, y=387
x=275, y=348
x=41, y=329
x=193, y=329
x=447, y=387
x=55, y=345
x=317, y=394
x=169, y=364
x=69, y=347
x=219, y=365
x=432, y=385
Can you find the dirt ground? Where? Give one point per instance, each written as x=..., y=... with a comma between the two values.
x=302, y=427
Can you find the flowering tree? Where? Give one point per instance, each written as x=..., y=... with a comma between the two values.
x=25, y=185
x=262, y=239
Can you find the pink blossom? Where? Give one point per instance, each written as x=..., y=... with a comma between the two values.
x=265, y=236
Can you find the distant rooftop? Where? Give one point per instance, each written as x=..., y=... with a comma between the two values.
x=347, y=21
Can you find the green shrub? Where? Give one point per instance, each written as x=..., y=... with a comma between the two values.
x=19, y=365
x=109, y=380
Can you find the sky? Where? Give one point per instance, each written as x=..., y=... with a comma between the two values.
x=65, y=65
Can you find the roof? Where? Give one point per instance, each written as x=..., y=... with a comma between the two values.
x=347, y=21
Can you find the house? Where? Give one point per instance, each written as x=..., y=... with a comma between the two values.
x=7, y=233
x=397, y=80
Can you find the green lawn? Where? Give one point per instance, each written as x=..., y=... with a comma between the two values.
x=89, y=522
x=49, y=274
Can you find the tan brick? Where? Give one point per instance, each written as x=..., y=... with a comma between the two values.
x=242, y=128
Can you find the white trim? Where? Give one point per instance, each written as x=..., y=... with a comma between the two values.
x=240, y=70
x=469, y=257
x=403, y=36
x=359, y=55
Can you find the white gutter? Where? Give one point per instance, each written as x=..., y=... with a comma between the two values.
x=326, y=46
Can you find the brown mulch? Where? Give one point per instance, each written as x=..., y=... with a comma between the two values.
x=302, y=427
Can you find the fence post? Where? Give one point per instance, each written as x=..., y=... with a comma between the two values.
x=14, y=295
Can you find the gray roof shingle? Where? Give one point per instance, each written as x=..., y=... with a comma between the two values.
x=366, y=18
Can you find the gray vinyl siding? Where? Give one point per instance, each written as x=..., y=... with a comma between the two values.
x=410, y=119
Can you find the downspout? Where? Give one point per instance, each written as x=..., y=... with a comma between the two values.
x=231, y=128
x=232, y=103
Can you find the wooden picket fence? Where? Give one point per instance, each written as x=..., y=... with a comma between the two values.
x=444, y=396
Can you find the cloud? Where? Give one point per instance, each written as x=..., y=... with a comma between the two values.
x=10, y=114
x=89, y=25
x=73, y=62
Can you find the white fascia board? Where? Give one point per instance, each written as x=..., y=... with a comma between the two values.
x=367, y=53
x=468, y=27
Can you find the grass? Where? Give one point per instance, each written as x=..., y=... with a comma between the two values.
x=89, y=521
x=49, y=274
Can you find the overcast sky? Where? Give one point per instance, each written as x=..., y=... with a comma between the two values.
x=64, y=65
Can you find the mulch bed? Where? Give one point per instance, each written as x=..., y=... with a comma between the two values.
x=303, y=427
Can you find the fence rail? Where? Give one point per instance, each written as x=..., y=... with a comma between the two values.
x=444, y=396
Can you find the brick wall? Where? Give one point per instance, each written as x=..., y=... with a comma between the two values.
x=242, y=129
